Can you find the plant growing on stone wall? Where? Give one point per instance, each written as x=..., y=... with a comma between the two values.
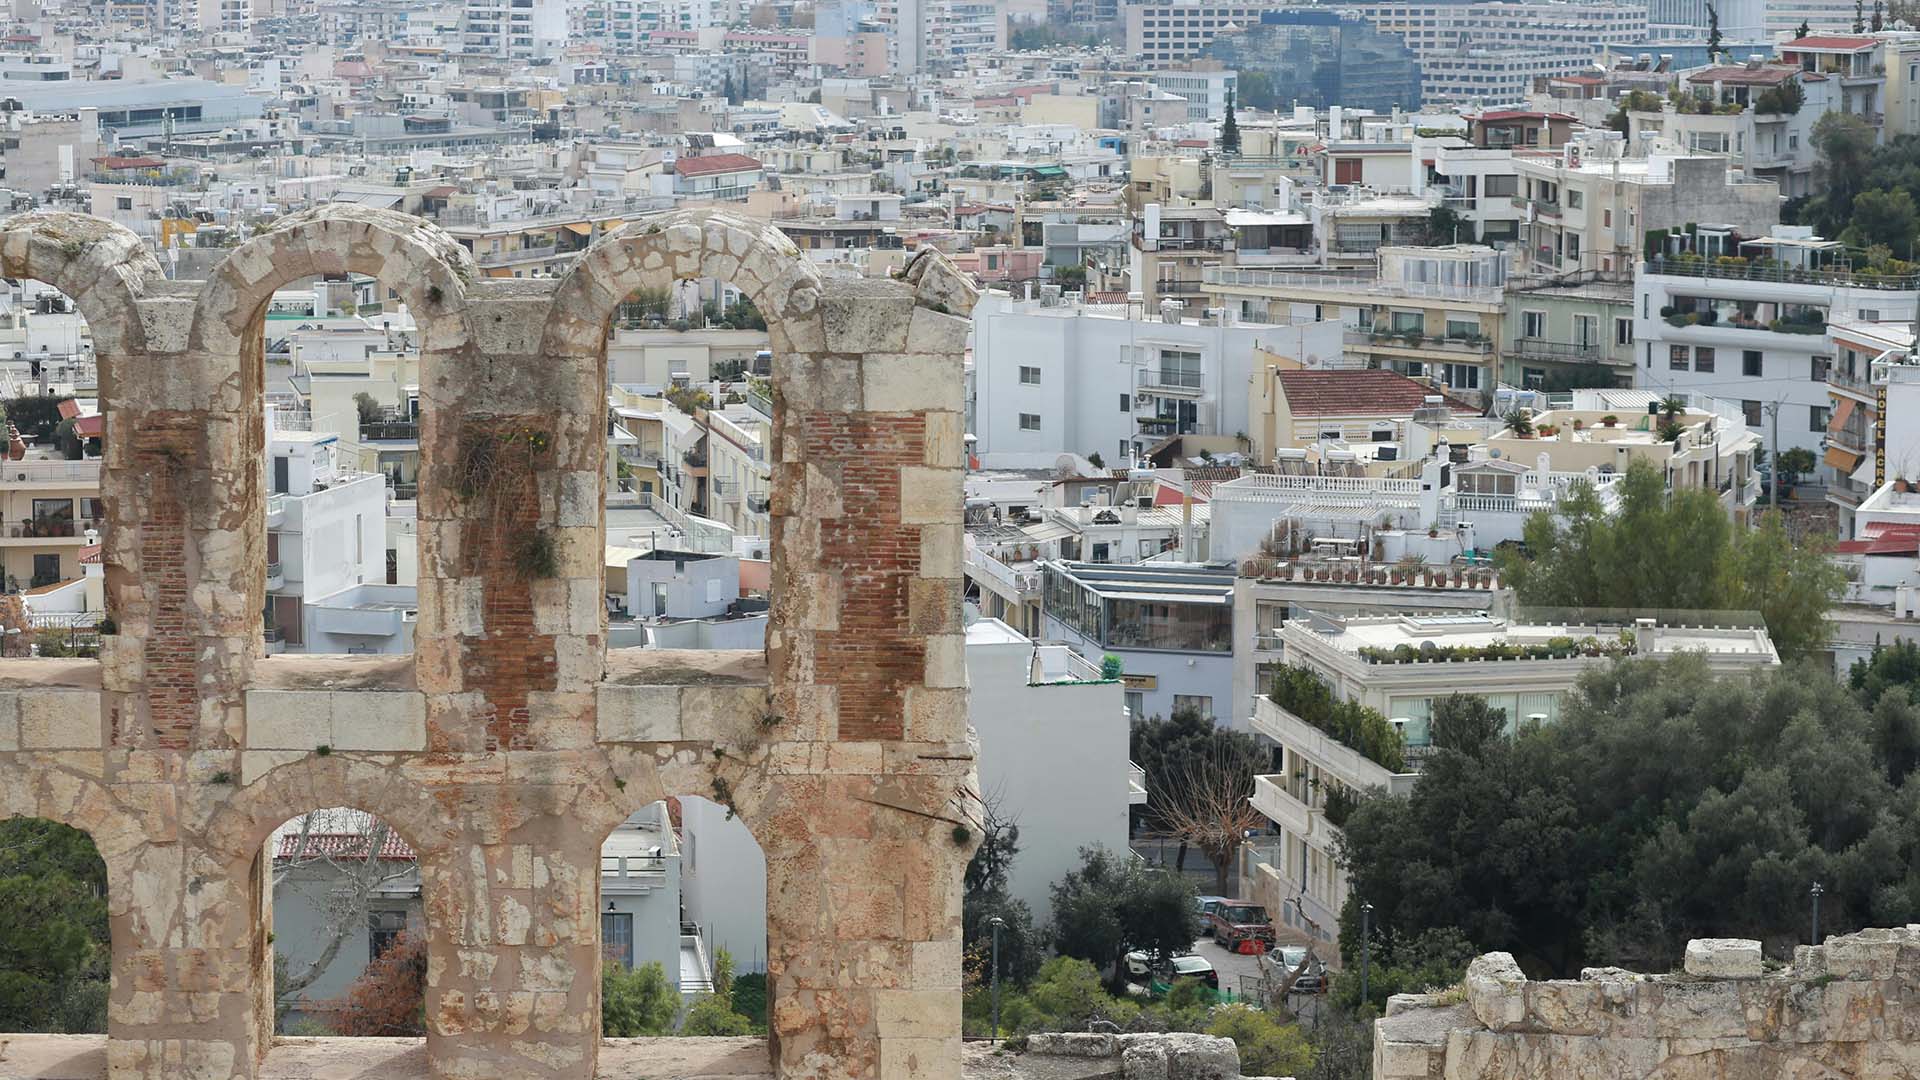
x=536, y=556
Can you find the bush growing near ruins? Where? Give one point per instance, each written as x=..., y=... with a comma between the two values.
x=1113, y=904
x=711, y=1014
x=1268, y=1046
x=389, y=997
x=750, y=999
x=636, y=1001
x=1432, y=960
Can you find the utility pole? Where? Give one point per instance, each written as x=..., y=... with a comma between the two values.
x=1773, y=412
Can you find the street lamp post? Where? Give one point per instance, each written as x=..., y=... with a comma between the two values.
x=1366, y=947
x=1815, y=892
x=996, y=922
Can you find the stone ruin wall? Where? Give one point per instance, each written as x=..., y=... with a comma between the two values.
x=512, y=742
x=1848, y=1009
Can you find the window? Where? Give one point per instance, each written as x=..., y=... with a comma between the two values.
x=1606, y=218
x=1869, y=314
x=1180, y=368
x=1822, y=365
x=1677, y=357
x=1126, y=402
x=1573, y=247
x=1622, y=330
x=1751, y=409
x=1533, y=324
x=1750, y=364
x=1199, y=703
x=1461, y=376
x=1029, y=421
x=1346, y=170
x=1817, y=417
x=46, y=570
x=382, y=928
x=1574, y=199
x=1586, y=330
x=1702, y=358
x=1500, y=187
x=124, y=202
x=1029, y=376
x=616, y=937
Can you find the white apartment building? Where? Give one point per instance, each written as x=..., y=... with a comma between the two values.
x=1428, y=313
x=1053, y=377
x=739, y=476
x=1385, y=662
x=1160, y=35
x=1205, y=92
x=1768, y=138
x=1755, y=334
x=327, y=553
x=514, y=29
x=1588, y=208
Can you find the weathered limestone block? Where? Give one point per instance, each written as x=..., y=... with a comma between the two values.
x=59, y=720
x=1724, y=958
x=1178, y=1056
x=1496, y=988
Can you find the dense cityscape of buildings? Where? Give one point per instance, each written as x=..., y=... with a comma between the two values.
x=1293, y=315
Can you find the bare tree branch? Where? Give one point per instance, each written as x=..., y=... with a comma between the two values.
x=1207, y=805
x=356, y=873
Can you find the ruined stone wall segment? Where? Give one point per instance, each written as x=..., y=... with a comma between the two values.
x=510, y=744
x=1844, y=1009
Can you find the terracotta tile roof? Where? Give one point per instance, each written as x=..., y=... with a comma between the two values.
x=1830, y=41
x=1356, y=393
x=715, y=163
x=90, y=554
x=344, y=846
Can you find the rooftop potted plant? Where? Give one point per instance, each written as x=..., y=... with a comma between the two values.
x=1609, y=420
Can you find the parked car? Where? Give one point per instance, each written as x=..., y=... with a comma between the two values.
x=1235, y=921
x=1206, y=904
x=1141, y=968
x=1278, y=963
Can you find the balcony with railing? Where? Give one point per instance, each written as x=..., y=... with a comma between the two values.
x=1564, y=352
x=990, y=573
x=1180, y=381
x=52, y=473
x=1229, y=279
x=1280, y=799
x=1860, y=384
x=1740, y=269
x=1542, y=208
x=1855, y=435
x=1384, y=338
x=276, y=575
x=522, y=254
x=1136, y=785
x=695, y=461
x=407, y=430
x=46, y=527
x=758, y=502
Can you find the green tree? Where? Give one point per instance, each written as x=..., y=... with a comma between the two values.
x=1713, y=34
x=53, y=941
x=1844, y=142
x=1465, y=722
x=1230, y=129
x=36, y=415
x=636, y=1001
x=368, y=409
x=1256, y=90
x=1804, y=30
x=1113, y=904
x=1790, y=583
x=1883, y=217
x=1672, y=550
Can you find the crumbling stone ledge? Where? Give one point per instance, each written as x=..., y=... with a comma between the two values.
x=1847, y=1008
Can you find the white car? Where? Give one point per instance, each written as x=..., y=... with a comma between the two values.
x=1277, y=963
x=1183, y=966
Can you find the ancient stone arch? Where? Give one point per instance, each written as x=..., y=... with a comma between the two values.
x=512, y=741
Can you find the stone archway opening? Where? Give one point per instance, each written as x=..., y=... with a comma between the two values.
x=682, y=892
x=344, y=916
x=56, y=941
x=339, y=357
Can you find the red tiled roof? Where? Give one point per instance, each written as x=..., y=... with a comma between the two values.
x=90, y=554
x=1879, y=545
x=1356, y=393
x=91, y=427
x=440, y=192
x=343, y=846
x=1202, y=143
x=1830, y=41
x=68, y=408
x=715, y=163
x=994, y=102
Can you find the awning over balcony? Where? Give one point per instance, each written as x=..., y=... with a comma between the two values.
x=1844, y=460
x=1840, y=414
